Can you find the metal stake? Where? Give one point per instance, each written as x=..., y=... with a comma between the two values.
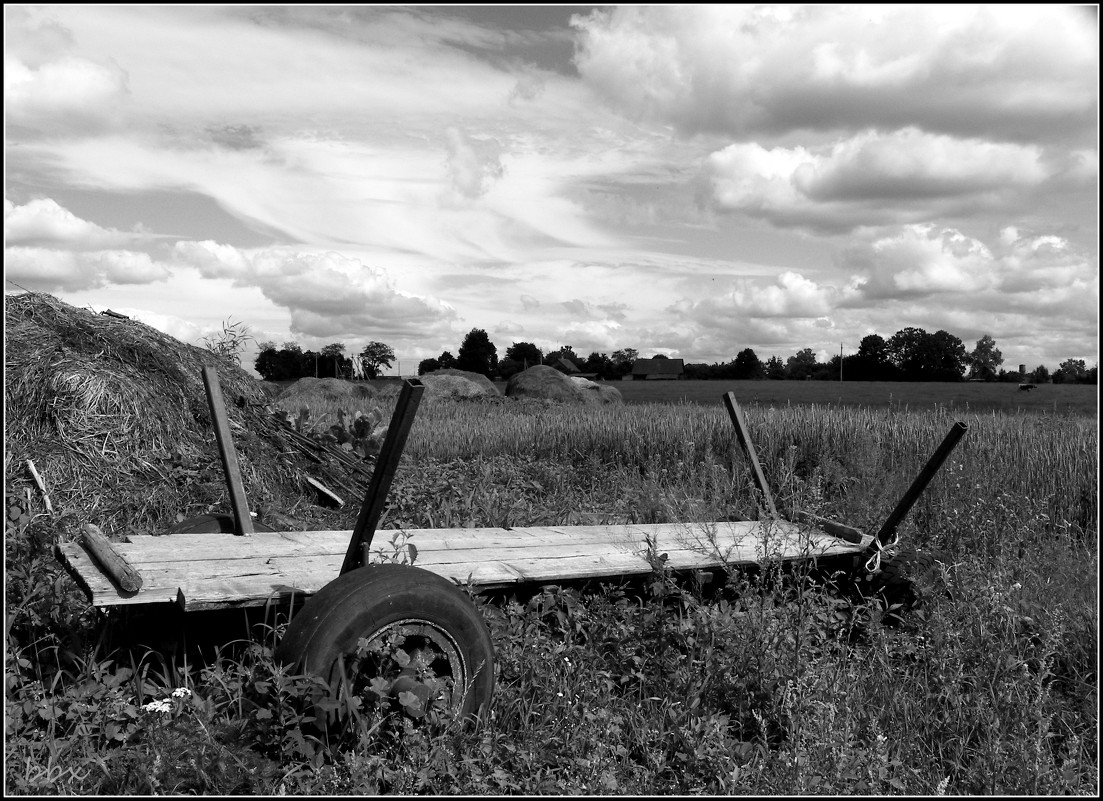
x=385, y=466
x=888, y=528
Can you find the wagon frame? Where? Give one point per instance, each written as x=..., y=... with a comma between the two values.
x=227, y=561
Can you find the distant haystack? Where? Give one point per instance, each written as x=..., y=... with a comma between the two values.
x=452, y=383
x=325, y=392
x=547, y=383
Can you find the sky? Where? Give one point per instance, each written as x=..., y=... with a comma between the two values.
x=684, y=180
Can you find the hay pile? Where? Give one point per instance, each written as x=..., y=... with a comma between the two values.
x=547, y=383
x=452, y=383
x=325, y=392
x=115, y=417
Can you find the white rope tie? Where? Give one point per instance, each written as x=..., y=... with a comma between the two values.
x=873, y=564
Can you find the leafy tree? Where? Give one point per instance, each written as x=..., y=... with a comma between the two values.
x=747, y=365
x=374, y=357
x=507, y=368
x=775, y=368
x=477, y=354
x=801, y=364
x=446, y=360
x=286, y=364
x=525, y=352
x=985, y=359
x=600, y=364
x=927, y=357
x=428, y=366
x=624, y=360
x=1071, y=371
x=872, y=362
x=948, y=357
x=874, y=348
x=333, y=362
x=1040, y=375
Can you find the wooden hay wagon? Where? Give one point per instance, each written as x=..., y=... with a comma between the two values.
x=363, y=605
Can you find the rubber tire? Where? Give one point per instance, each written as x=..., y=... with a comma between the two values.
x=211, y=524
x=366, y=600
x=905, y=575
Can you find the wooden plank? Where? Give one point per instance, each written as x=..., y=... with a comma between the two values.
x=744, y=437
x=111, y=562
x=212, y=569
x=243, y=523
x=325, y=492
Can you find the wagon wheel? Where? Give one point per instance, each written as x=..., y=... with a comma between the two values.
x=211, y=524
x=399, y=634
x=907, y=577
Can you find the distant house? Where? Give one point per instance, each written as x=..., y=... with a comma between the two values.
x=565, y=365
x=658, y=369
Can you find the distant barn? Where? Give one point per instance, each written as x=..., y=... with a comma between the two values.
x=658, y=369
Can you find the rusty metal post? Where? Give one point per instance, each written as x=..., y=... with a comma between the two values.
x=888, y=528
x=744, y=438
x=243, y=522
x=386, y=464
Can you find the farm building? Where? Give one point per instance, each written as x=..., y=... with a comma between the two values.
x=658, y=369
x=568, y=367
x=565, y=365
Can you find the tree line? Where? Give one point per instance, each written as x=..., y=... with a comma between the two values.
x=290, y=362
x=911, y=354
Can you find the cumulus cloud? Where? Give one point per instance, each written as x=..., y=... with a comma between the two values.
x=327, y=294
x=790, y=295
x=43, y=221
x=49, y=270
x=878, y=179
x=1017, y=273
x=70, y=92
x=1012, y=72
x=474, y=165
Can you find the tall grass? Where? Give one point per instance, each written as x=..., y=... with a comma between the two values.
x=863, y=458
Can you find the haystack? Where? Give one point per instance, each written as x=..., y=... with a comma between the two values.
x=324, y=391
x=452, y=383
x=547, y=383
x=114, y=415
x=595, y=392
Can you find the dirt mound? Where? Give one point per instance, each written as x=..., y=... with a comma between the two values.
x=114, y=415
x=547, y=383
x=451, y=383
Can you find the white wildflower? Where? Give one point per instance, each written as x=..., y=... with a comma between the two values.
x=181, y=692
x=162, y=706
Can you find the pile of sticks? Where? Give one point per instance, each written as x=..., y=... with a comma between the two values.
x=334, y=467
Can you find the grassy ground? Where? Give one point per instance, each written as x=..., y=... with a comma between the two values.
x=964, y=397
x=769, y=685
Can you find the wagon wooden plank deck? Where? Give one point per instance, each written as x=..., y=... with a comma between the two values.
x=212, y=569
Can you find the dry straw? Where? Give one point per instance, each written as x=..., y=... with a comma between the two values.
x=114, y=414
